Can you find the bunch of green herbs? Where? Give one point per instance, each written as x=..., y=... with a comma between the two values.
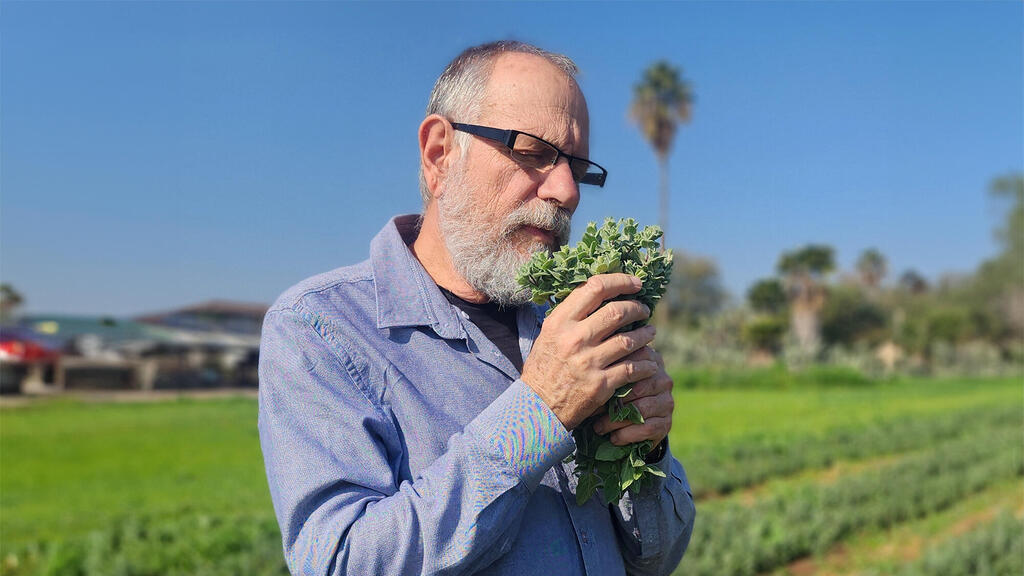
x=617, y=246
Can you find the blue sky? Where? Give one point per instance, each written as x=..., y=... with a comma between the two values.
x=153, y=155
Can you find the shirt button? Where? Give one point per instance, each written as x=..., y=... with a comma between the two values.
x=583, y=536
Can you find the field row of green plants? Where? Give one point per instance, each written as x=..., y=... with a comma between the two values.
x=740, y=464
x=994, y=548
x=733, y=537
x=184, y=544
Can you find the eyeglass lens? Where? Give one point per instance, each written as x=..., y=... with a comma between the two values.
x=536, y=153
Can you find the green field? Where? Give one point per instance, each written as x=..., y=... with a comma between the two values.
x=868, y=479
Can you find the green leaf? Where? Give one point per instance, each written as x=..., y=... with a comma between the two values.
x=585, y=488
x=627, y=477
x=633, y=414
x=623, y=391
x=609, y=452
x=655, y=471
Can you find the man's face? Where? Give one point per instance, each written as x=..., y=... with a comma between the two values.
x=493, y=212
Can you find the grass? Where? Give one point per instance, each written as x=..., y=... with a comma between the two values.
x=70, y=467
x=714, y=417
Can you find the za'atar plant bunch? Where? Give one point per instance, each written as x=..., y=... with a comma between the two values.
x=614, y=247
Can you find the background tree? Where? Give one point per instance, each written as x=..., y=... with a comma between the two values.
x=913, y=282
x=767, y=296
x=766, y=330
x=871, y=268
x=850, y=317
x=695, y=291
x=10, y=300
x=805, y=271
x=661, y=101
x=997, y=290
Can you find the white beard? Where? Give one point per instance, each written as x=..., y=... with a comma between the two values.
x=485, y=253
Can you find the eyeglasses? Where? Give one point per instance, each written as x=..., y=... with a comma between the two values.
x=533, y=152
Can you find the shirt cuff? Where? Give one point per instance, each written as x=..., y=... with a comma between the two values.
x=520, y=427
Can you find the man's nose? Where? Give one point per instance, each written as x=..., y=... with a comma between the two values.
x=559, y=186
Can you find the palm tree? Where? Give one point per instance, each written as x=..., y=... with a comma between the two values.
x=805, y=271
x=871, y=266
x=661, y=101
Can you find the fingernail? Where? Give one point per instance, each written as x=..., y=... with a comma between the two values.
x=637, y=283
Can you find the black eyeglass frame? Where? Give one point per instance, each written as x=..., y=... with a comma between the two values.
x=507, y=138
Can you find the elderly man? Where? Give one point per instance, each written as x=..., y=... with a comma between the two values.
x=415, y=411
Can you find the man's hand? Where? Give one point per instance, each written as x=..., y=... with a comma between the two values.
x=578, y=361
x=653, y=397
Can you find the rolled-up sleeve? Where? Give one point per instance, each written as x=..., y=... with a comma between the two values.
x=329, y=447
x=655, y=525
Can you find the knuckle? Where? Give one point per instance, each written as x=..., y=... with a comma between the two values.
x=630, y=369
x=596, y=285
x=650, y=368
x=627, y=342
x=617, y=314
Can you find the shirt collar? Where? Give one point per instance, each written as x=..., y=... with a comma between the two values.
x=406, y=294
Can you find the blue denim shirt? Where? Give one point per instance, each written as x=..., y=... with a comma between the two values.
x=399, y=440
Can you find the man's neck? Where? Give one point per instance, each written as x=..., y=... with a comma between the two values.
x=430, y=250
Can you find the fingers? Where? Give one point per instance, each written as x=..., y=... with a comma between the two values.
x=613, y=316
x=587, y=298
x=626, y=345
x=658, y=406
x=654, y=429
x=626, y=371
x=657, y=384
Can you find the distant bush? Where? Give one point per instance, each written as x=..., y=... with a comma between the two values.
x=775, y=377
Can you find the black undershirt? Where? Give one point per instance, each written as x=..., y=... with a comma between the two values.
x=498, y=325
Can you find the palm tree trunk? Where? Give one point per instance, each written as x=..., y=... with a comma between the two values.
x=661, y=312
x=663, y=215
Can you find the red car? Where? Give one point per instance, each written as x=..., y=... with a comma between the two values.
x=25, y=353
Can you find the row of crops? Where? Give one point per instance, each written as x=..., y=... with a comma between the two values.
x=788, y=508
x=995, y=548
x=187, y=544
x=732, y=537
x=719, y=470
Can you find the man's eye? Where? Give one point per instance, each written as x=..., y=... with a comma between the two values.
x=532, y=157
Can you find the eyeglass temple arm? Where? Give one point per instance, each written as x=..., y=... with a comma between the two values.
x=507, y=137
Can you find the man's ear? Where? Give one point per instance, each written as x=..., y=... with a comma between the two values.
x=437, y=150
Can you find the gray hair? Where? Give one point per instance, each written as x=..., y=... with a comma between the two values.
x=460, y=90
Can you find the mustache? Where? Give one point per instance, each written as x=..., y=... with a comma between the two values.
x=543, y=215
